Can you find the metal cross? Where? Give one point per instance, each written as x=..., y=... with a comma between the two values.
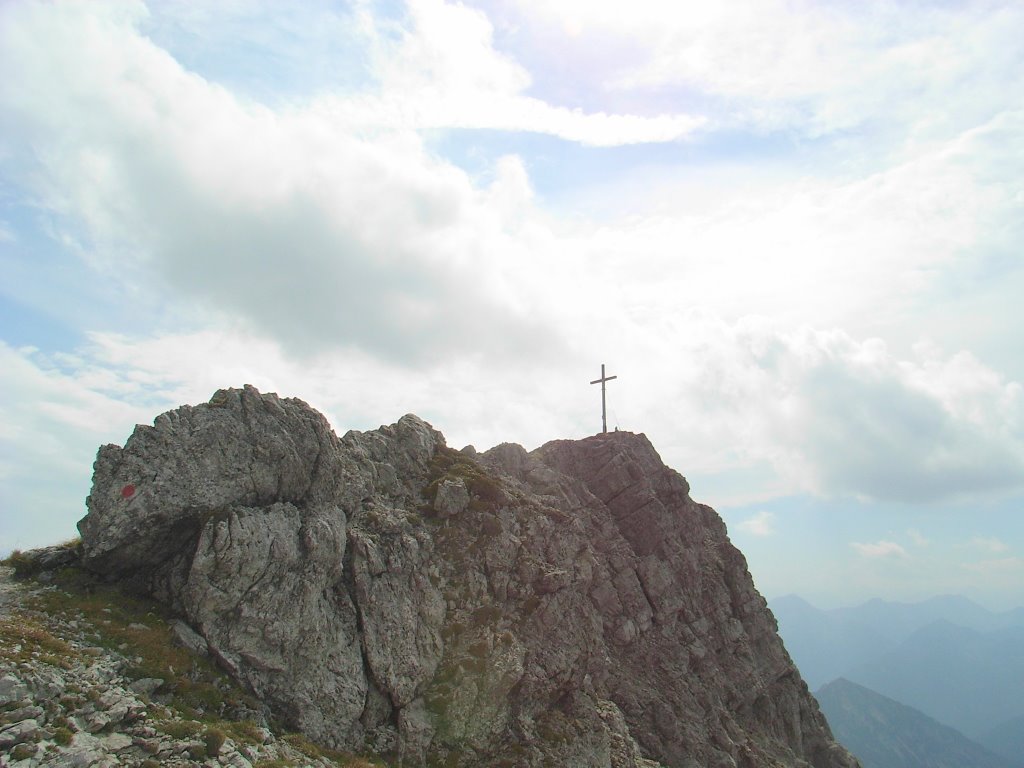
x=604, y=413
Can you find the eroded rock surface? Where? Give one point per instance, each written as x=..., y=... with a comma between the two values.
x=572, y=606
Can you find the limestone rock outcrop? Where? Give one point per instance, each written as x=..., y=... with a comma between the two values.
x=572, y=606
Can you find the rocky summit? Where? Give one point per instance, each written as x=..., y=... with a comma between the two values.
x=382, y=592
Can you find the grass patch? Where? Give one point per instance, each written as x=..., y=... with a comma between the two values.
x=24, y=566
x=448, y=464
x=23, y=751
x=452, y=631
x=198, y=752
x=202, y=699
x=198, y=689
x=449, y=760
x=178, y=729
x=554, y=727
x=303, y=745
x=245, y=732
x=24, y=638
x=486, y=615
x=316, y=752
x=28, y=564
x=479, y=649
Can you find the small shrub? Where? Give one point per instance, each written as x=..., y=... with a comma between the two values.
x=202, y=697
x=245, y=731
x=214, y=739
x=179, y=729
x=24, y=751
x=478, y=650
x=23, y=565
x=63, y=736
x=487, y=614
x=197, y=752
x=530, y=605
x=486, y=488
x=304, y=745
x=554, y=728
x=452, y=630
x=449, y=463
x=491, y=526
x=446, y=760
x=33, y=641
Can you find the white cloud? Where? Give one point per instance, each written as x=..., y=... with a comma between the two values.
x=879, y=549
x=761, y=524
x=814, y=66
x=752, y=400
x=990, y=543
x=827, y=413
x=51, y=423
x=782, y=412
x=325, y=224
x=444, y=72
x=178, y=186
x=1003, y=566
x=863, y=252
x=919, y=539
x=56, y=410
x=285, y=218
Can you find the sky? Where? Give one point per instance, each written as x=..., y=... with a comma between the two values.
x=791, y=228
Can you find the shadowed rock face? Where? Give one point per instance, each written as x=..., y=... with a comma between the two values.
x=570, y=606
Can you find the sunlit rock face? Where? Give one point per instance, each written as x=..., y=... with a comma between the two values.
x=572, y=606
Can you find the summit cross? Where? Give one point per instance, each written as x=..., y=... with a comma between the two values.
x=604, y=412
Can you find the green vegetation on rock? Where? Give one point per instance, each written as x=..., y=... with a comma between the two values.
x=194, y=700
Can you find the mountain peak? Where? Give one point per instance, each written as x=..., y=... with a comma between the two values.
x=382, y=591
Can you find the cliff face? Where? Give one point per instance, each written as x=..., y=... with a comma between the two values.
x=571, y=606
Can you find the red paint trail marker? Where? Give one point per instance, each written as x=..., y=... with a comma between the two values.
x=128, y=491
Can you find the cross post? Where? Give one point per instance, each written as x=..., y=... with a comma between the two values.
x=604, y=413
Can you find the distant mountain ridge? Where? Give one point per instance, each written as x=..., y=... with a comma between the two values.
x=825, y=644
x=1006, y=739
x=968, y=679
x=948, y=657
x=828, y=643
x=861, y=632
x=905, y=618
x=883, y=733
